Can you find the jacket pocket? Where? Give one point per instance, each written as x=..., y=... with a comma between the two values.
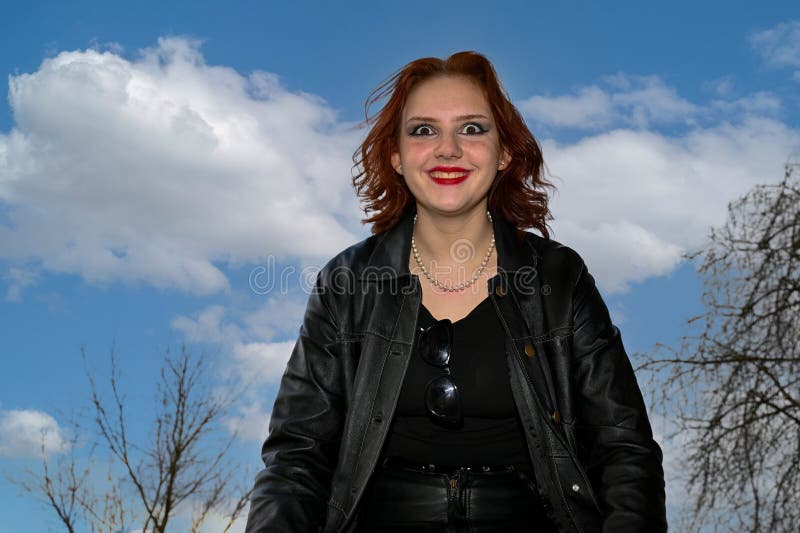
x=577, y=490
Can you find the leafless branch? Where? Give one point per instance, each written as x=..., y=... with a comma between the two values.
x=733, y=388
x=185, y=464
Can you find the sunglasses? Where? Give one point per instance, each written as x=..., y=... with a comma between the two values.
x=441, y=394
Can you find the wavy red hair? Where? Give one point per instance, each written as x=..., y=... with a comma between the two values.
x=517, y=193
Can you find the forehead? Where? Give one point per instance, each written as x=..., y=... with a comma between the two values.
x=446, y=95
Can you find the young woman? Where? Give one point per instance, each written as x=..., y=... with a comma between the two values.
x=453, y=371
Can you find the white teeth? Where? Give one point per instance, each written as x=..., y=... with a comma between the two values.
x=448, y=175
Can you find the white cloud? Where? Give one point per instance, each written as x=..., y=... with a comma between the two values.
x=250, y=366
x=648, y=100
x=18, y=279
x=250, y=423
x=279, y=316
x=621, y=253
x=591, y=107
x=253, y=361
x=630, y=201
x=779, y=46
x=645, y=103
x=759, y=103
x=673, y=445
x=638, y=101
x=262, y=362
x=162, y=169
x=246, y=335
x=722, y=86
x=209, y=325
x=26, y=433
x=216, y=522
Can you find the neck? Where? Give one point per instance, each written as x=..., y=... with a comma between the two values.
x=451, y=240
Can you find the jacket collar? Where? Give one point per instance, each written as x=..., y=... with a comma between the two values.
x=391, y=254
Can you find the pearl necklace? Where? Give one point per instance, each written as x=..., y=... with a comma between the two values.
x=439, y=284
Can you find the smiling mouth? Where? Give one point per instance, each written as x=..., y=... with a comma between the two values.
x=448, y=177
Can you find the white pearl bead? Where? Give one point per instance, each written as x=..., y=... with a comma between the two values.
x=461, y=286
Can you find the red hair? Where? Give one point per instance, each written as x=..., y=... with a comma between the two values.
x=517, y=192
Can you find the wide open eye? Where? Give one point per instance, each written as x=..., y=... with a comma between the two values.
x=422, y=130
x=473, y=128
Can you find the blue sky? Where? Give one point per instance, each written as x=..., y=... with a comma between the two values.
x=153, y=157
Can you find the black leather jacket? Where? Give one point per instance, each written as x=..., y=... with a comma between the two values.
x=590, y=442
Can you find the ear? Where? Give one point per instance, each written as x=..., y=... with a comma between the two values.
x=395, y=160
x=504, y=160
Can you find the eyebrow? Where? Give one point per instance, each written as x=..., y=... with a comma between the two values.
x=456, y=119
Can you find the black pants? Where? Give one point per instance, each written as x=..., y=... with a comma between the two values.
x=401, y=499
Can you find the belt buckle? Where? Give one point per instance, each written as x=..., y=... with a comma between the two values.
x=445, y=469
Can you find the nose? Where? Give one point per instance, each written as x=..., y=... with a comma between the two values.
x=448, y=147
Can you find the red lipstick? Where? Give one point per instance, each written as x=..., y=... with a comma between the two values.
x=448, y=175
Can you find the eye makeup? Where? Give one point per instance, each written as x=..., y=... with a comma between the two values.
x=478, y=129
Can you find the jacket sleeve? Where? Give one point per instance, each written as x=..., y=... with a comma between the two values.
x=623, y=461
x=291, y=493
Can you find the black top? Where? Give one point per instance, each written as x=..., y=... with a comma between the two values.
x=492, y=433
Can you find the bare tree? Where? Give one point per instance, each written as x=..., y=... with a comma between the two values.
x=733, y=390
x=185, y=465
x=62, y=486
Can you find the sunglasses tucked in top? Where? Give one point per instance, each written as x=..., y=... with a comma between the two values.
x=455, y=404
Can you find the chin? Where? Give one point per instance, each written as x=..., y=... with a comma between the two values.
x=448, y=207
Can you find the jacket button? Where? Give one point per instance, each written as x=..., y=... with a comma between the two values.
x=576, y=488
x=556, y=416
x=500, y=291
x=530, y=351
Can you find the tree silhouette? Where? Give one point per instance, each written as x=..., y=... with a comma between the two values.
x=185, y=465
x=733, y=390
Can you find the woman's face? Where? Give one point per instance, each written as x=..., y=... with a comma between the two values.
x=448, y=149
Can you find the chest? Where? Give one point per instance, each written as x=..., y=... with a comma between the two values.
x=454, y=305
x=477, y=364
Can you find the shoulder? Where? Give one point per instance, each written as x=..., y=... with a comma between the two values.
x=556, y=260
x=352, y=260
x=563, y=278
x=356, y=256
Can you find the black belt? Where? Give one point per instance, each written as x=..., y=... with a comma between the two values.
x=399, y=462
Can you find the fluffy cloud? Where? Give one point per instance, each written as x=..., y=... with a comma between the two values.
x=779, y=46
x=279, y=316
x=590, y=107
x=163, y=169
x=634, y=191
x=255, y=361
x=645, y=196
x=26, y=433
x=634, y=100
x=262, y=362
x=250, y=423
x=642, y=102
x=673, y=445
x=209, y=325
x=215, y=522
x=18, y=279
